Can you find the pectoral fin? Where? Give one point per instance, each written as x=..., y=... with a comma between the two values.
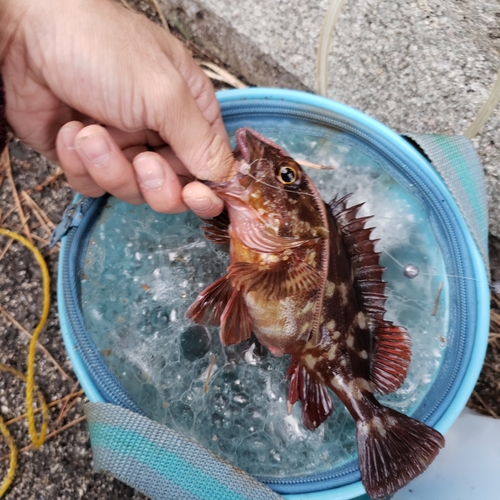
x=235, y=322
x=211, y=302
x=275, y=281
x=222, y=304
x=216, y=228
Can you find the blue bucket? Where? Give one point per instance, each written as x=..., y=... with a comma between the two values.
x=357, y=153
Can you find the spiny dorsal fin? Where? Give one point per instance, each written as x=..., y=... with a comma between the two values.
x=390, y=356
x=216, y=228
x=276, y=280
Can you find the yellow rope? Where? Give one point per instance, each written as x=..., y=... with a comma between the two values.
x=13, y=457
x=37, y=439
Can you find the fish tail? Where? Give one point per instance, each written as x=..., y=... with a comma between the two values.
x=393, y=449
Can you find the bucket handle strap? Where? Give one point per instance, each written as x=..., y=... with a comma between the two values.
x=161, y=463
x=456, y=160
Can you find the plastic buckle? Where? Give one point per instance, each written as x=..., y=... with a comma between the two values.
x=72, y=217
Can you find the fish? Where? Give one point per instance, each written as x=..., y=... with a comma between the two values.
x=305, y=279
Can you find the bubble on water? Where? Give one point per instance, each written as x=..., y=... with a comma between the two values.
x=233, y=400
x=411, y=271
x=195, y=342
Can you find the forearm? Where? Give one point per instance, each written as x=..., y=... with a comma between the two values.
x=11, y=13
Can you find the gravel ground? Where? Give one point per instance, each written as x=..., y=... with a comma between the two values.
x=62, y=468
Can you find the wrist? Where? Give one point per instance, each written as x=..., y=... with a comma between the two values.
x=11, y=14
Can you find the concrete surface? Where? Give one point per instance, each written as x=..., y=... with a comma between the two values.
x=453, y=475
x=423, y=66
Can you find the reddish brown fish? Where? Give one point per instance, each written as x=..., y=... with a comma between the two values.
x=305, y=278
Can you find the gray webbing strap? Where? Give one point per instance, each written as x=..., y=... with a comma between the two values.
x=456, y=160
x=161, y=463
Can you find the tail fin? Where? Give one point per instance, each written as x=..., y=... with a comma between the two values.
x=393, y=449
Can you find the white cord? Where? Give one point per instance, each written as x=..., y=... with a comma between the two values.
x=486, y=110
x=331, y=18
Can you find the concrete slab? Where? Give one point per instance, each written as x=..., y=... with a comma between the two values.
x=423, y=66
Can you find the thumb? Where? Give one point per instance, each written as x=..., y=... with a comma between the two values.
x=188, y=118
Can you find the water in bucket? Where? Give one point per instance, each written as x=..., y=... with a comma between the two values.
x=142, y=271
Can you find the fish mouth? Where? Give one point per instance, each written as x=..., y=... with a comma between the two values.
x=248, y=145
x=248, y=149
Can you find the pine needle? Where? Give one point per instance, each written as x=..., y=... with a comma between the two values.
x=7, y=215
x=220, y=74
x=308, y=164
x=65, y=408
x=40, y=346
x=157, y=7
x=9, y=243
x=76, y=395
x=40, y=213
x=485, y=405
x=49, y=436
x=8, y=169
x=127, y=5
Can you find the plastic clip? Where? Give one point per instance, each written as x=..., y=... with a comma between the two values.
x=71, y=218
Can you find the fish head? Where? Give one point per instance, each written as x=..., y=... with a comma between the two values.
x=271, y=189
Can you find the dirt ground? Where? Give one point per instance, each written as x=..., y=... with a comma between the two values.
x=62, y=468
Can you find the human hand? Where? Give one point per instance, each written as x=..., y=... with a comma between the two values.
x=116, y=100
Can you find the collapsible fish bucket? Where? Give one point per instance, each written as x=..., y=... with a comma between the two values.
x=127, y=276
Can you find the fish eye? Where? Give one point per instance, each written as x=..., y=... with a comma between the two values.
x=287, y=174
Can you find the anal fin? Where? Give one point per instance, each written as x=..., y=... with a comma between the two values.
x=316, y=402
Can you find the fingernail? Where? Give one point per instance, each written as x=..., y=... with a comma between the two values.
x=96, y=149
x=201, y=204
x=149, y=172
x=68, y=135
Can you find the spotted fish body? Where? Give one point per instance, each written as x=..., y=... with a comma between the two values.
x=305, y=278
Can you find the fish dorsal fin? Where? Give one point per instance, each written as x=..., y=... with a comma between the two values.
x=216, y=228
x=391, y=353
x=276, y=280
x=317, y=404
x=222, y=304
